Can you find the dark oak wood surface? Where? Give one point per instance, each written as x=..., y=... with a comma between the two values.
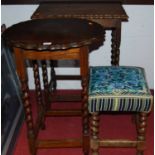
x=78, y=10
x=55, y=34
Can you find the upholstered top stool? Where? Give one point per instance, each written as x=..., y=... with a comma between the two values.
x=37, y=42
x=118, y=89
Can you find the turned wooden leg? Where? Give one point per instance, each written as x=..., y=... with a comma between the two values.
x=47, y=96
x=141, y=130
x=85, y=116
x=53, y=83
x=94, y=126
x=28, y=116
x=115, y=51
x=41, y=107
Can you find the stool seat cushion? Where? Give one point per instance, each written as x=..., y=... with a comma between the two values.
x=118, y=88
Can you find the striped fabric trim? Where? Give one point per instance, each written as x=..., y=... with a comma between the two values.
x=122, y=88
x=120, y=104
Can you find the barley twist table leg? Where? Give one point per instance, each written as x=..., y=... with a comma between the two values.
x=53, y=83
x=85, y=115
x=47, y=96
x=41, y=108
x=29, y=119
x=116, y=39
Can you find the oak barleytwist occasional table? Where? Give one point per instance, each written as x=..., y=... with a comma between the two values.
x=38, y=42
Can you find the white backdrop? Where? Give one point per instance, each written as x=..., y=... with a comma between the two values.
x=137, y=44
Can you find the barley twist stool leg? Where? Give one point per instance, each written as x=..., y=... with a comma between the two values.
x=41, y=108
x=94, y=125
x=141, y=133
x=28, y=116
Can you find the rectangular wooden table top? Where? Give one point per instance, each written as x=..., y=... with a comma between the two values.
x=79, y=10
x=109, y=15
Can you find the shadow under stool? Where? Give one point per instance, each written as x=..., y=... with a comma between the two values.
x=37, y=42
x=118, y=90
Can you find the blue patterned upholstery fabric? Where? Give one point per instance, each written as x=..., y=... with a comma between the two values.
x=118, y=88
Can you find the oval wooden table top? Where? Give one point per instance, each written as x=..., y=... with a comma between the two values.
x=54, y=34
